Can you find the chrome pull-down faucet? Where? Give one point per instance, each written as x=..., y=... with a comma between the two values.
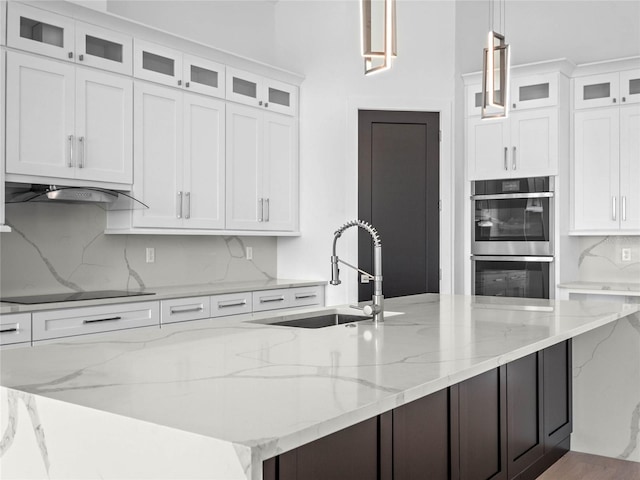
x=377, y=307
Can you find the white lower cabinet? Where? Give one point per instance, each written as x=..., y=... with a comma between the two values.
x=262, y=170
x=83, y=320
x=231, y=304
x=15, y=328
x=288, y=298
x=179, y=159
x=182, y=309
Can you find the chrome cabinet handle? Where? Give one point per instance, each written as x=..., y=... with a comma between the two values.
x=179, y=209
x=624, y=208
x=272, y=299
x=613, y=208
x=70, y=54
x=624, y=99
x=260, y=103
x=232, y=303
x=513, y=164
x=266, y=218
x=110, y=319
x=8, y=330
x=70, y=138
x=261, y=210
x=174, y=310
x=615, y=100
x=188, y=205
x=82, y=152
x=179, y=82
x=300, y=296
x=506, y=162
x=81, y=57
x=186, y=84
x=266, y=104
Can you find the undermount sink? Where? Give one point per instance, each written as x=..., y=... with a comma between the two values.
x=320, y=319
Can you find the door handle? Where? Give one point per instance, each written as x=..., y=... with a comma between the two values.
x=188, y=205
x=70, y=138
x=613, y=208
x=110, y=319
x=260, y=209
x=279, y=298
x=232, y=303
x=82, y=152
x=266, y=218
x=179, y=209
x=197, y=308
x=506, y=162
x=513, y=164
x=624, y=208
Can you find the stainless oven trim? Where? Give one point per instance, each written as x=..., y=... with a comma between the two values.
x=546, y=259
x=510, y=196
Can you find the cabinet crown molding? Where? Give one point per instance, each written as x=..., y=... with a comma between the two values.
x=561, y=65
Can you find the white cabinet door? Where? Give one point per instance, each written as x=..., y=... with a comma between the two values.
x=630, y=168
x=157, y=63
x=280, y=97
x=596, y=169
x=203, y=76
x=244, y=204
x=534, y=142
x=243, y=87
x=487, y=149
x=104, y=118
x=596, y=90
x=158, y=147
x=534, y=91
x=204, y=162
x=39, y=31
x=630, y=86
x=280, y=183
x=40, y=116
x=101, y=48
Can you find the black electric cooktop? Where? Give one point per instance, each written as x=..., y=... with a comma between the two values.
x=70, y=297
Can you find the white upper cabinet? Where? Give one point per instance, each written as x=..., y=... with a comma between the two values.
x=607, y=89
x=179, y=159
x=46, y=33
x=257, y=91
x=630, y=168
x=160, y=64
x=262, y=170
x=67, y=122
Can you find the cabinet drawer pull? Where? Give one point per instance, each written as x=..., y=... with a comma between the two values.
x=70, y=138
x=9, y=330
x=81, y=57
x=300, y=296
x=506, y=162
x=179, y=209
x=260, y=209
x=514, y=165
x=624, y=208
x=272, y=299
x=110, y=319
x=187, y=196
x=613, y=209
x=232, y=303
x=197, y=308
x=266, y=217
x=82, y=152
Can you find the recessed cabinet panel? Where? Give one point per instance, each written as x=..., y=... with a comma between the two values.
x=15, y=328
x=534, y=91
x=204, y=76
x=630, y=86
x=242, y=87
x=488, y=148
x=281, y=97
x=157, y=63
x=596, y=90
x=40, y=103
x=101, y=48
x=534, y=148
x=39, y=31
x=104, y=125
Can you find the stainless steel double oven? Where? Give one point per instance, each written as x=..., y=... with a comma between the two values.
x=512, y=237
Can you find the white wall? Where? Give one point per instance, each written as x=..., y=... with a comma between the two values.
x=320, y=39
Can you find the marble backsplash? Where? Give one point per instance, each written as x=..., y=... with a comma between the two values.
x=60, y=248
x=600, y=259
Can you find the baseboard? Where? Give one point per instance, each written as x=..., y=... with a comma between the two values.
x=536, y=469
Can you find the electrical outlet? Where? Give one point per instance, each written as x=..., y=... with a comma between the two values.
x=151, y=255
x=249, y=251
x=626, y=254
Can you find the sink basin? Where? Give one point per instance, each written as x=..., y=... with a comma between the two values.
x=320, y=319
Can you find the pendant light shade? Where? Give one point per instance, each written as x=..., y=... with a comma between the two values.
x=378, y=28
x=495, y=72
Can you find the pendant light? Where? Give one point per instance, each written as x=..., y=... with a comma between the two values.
x=495, y=68
x=378, y=28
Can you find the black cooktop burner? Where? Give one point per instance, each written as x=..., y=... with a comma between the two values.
x=70, y=297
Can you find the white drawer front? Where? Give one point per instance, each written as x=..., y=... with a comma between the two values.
x=303, y=296
x=231, y=304
x=15, y=328
x=80, y=321
x=182, y=309
x=271, y=299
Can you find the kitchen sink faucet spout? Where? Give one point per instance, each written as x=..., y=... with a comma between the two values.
x=376, y=308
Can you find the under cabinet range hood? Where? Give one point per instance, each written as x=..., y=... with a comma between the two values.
x=103, y=197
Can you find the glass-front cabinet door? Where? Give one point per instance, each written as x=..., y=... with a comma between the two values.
x=203, y=76
x=630, y=86
x=257, y=91
x=157, y=63
x=597, y=90
x=102, y=48
x=534, y=91
x=39, y=31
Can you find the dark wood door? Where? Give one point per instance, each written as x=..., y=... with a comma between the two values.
x=524, y=413
x=421, y=439
x=557, y=393
x=483, y=426
x=398, y=193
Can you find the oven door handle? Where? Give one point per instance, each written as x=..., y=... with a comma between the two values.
x=509, y=196
x=511, y=258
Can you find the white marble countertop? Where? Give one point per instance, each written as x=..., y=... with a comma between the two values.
x=163, y=293
x=268, y=389
x=603, y=288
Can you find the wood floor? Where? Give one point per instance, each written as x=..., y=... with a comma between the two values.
x=582, y=466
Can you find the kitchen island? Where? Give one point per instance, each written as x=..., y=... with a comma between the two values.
x=216, y=398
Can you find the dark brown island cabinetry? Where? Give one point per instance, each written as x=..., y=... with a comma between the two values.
x=511, y=422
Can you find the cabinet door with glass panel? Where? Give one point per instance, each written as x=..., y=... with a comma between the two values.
x=607, y=89
x=258, y=91
x=101, y=48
